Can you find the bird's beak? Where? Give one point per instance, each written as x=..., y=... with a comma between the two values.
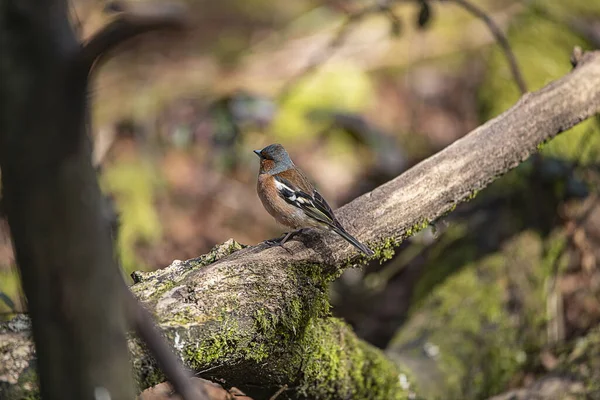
x=257, y=152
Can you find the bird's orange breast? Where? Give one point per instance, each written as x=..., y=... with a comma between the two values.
x=266, y=165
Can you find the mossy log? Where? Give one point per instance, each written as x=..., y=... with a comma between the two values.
x=487, y=301
x=261, y=328
x=471, y=334
x=288, y=337
x=258, y=317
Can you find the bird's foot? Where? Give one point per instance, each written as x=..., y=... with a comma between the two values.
x=280, y=241
x=273, y=242
x=277, y=242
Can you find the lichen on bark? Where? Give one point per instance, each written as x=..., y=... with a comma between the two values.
x=17, y=376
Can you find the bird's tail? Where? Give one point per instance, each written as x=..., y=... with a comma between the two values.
x=340, y=231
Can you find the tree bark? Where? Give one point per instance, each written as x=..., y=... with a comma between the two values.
x=59, y=220
x=54, y=206
x=259, y=318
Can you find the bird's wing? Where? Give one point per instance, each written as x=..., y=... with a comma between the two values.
x=312, y=203
x=304, y=196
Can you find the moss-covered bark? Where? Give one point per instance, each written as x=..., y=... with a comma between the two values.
x=288, y=337
x=18, y=379
x=469, y=336
x=466, y=340
x=284, y=336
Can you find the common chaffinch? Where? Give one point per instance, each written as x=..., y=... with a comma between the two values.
x=289, y=196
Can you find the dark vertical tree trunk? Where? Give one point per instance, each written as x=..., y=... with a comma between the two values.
x=54, y=207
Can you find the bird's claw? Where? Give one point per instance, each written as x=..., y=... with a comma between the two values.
x=277, y=242
x=283, y=239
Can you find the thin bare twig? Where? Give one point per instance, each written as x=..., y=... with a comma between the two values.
x=328, y=50
x=500, y=38
x=277, y=393
x=353, y=19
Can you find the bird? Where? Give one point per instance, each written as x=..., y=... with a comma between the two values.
x=290, y=197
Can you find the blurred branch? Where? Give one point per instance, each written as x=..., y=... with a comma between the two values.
x=384, y=7
x=328, y=50
x=252, y=318
x=277, y=393
x=500, y=38
x=62, y=243
x=131, y=20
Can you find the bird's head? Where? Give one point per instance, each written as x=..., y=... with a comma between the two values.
x=274, y=159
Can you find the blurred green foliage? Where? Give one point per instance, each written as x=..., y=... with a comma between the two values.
x=134, y=184
x=10, y=286
x=542, y=43
x=340, y=87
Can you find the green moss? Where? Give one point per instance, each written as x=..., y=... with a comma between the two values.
x=165, y=286
x=10, y=286
x=273, y=329
x=262, y=320
x=336, y=364
x=219, y=346
x=27, y=387
x=451, y=209
x=472, y=195
x=315, y=273
x=540, y=146
x=385, y=250
x=321, y=90
x=416, y=228
x=134, y=185
x=154, y=377
x=185, y=317
x=283, y=339
x=216, y=253
x=222, y=345
x=468, y=333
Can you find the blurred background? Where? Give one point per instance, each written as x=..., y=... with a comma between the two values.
x=358, y=92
